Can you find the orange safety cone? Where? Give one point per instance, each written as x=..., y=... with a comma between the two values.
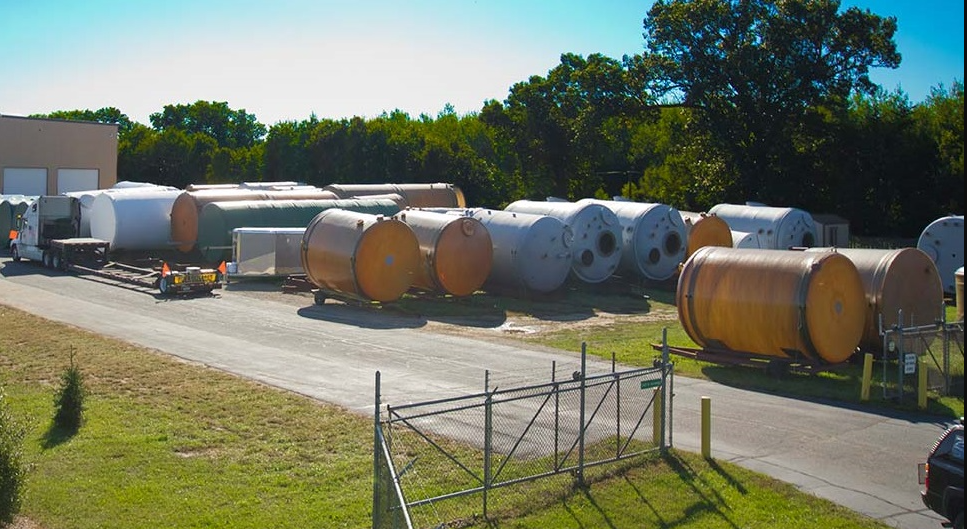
x=221, y=268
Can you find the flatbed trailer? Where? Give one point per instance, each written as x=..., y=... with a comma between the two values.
x=773, y=365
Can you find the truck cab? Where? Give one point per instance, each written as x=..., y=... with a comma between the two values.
x=47, y=218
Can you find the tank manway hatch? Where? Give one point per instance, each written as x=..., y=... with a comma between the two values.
x=596, y=248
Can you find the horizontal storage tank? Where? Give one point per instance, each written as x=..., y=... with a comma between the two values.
x=439, y=195
x=133, y=221
x=218, y=219
x=596, y=248
x=807, y=306
x=367, y=256
x=530, y=252
x=12, y=207
x=741, y=239
x=455, y=251
x=774, y=228
x=266, y=252
x=652, y=238
x=187, y=208
x=903, y=279
x=702, y=229
x=86, y=199
x=943, y=241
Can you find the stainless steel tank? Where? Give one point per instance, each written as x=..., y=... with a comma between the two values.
x=438, y=195
x=774, y=227
x=596, y=248
x=530, y=252
x=456, y=251
x=703, y=229
x=372, y=257
x=943, y=241
x=653, y=238
x=808, y=306
x=898, y=283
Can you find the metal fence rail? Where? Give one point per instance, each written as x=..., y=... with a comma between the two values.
x=438, y=463
x=942, y=346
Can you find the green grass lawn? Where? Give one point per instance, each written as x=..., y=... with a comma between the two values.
x=170, y=444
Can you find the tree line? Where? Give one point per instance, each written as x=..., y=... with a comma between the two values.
x=731, y=101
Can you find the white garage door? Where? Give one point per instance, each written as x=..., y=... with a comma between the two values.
x=27, y=181
x=69, y=180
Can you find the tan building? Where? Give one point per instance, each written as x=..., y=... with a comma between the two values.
x=51, y=156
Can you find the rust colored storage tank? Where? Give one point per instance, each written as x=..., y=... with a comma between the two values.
x=959, y=292
x=703, y=229
x=456, y=251
x=187, y=207
x=371, y=257
x=439, y=195
x=596, y=248
x=808, y=306
x=903, y=279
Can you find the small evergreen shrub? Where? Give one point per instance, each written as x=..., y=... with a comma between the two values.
x=69, y=400
x=13, y=469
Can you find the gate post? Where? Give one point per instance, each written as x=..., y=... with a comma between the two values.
x=584, y=370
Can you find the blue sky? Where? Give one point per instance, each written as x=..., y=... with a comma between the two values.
x=286, y=59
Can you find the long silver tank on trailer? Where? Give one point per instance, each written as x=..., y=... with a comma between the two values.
x=530, y=252
x=596, y=249
x=943, y=241
x=653, y=237
x=86, y=198
x=775, y=228
x=134, y=221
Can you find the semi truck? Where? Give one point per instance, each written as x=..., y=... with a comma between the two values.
x=48, y=233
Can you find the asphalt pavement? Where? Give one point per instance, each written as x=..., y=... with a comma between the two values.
x=864, y=460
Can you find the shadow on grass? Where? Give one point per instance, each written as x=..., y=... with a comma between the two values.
x=57, y=435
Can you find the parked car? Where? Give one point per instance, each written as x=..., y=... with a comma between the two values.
x=942, y=476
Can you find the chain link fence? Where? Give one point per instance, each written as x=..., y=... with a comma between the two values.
x=938, y=347
x=450, y=462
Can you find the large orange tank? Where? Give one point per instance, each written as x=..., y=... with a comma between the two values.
x=187, y=207
x=456, y=251
x=439, y=195
x=783, y=303
x=703, y=229
x=367, y=256
x=898, y=283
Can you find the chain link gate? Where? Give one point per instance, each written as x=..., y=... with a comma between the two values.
x=445, y=462
x=941, y=345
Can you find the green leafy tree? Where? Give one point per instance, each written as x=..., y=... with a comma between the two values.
x=103, y=115
x=753, y=69
x=229, y=128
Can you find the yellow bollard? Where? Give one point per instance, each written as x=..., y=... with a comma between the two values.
x=922, y=383
x=656, y=418
x=707, y=427
x=867, y=377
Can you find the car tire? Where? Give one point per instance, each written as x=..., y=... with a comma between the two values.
x=959, y=521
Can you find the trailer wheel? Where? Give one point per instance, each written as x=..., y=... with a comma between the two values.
x=163, y=284
x=15, y=253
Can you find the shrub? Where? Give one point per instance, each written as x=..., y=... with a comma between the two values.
x=69, y=399
x=13, y=470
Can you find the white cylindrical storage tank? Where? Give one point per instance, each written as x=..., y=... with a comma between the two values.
x=530, y=252
x=775, y=228
x=134, y=221
x=652, y=237
x=596, y=249
x=741, y=239
x=943, y=241
x=86, y=199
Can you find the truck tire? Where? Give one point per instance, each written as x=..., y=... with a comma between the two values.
x=45, y=258
x=959, y=521
x=15, y=254
x=58, y=262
